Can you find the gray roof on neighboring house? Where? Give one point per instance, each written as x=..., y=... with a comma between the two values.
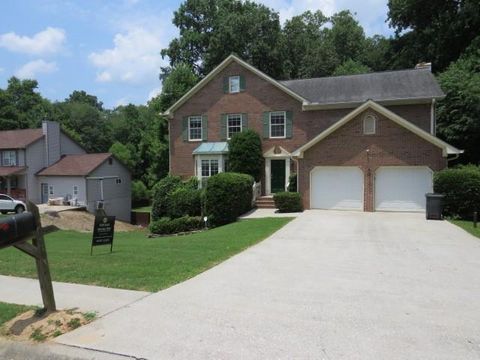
x=379, y=86
x=211, y=148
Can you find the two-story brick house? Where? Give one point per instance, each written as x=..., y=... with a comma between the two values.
x=364, y=142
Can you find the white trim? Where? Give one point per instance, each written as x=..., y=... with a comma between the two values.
x=336, y=167
x=230, y=84
x=432, y=119
x=284, y=125
x=447, y=148
x=201, y=127
x=169, y=112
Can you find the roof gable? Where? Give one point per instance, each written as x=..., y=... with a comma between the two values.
x=75, y=165
x=218, y=69
x=19, y=139
x=447, y=148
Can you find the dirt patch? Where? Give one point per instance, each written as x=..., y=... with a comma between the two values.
x=34, y=326
x=79, y=221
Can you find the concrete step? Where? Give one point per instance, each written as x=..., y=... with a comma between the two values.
x=265, y=203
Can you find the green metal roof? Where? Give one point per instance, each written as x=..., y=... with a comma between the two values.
x=210, y=148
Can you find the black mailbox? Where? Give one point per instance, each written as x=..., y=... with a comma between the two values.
x=16, y=228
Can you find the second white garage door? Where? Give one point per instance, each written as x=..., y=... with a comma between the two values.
x=402, y=188
x=336, y=187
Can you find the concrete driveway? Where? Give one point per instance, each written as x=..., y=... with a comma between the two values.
x=329, y=285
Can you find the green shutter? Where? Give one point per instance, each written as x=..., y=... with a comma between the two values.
x=266, y=125
x=204, y=127
x=244, y=122
x=185, y=128
x=223, y=127
x=242, y=83
x=225, y=85
x=289, y=124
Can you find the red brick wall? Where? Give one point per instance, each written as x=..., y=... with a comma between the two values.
x=391, y=145
x=260, y=96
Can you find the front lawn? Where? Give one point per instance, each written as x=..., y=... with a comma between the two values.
x=138, y=262
x=147, y=209
x=468, y=226
x=9, y=311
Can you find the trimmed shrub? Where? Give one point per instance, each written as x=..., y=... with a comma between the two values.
x=292, y=183
x=227, y=196
x=140, y=194
x=288, y=202
x=245, y=154
x=166, y=225
x=161, y=191
x=184, y=200
x=461, y=187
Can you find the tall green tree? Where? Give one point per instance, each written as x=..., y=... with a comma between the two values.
x=351, y=67
x=437, y=31
x=458, y=115
x=81, y=96
x=211, y=30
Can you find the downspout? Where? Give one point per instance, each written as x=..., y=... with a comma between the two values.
x=433, y=122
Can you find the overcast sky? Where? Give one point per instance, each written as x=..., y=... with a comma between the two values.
x=111, y=48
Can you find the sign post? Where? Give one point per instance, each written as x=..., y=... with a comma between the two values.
x=103, y=230
x=16, y=231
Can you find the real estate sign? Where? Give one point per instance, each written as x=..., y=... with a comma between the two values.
x=103, y=230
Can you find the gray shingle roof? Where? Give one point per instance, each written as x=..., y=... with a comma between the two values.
x=380, y=86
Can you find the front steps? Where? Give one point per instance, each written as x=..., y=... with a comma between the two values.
x=265, y=202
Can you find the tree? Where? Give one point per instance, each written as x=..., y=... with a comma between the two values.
x=458, y=116
x=437, y=31
x=347, y=36
x=84, y=98
x=21, y=106
x=245, y=154
x=351, y=67
x=124, y=153
x=211, y=30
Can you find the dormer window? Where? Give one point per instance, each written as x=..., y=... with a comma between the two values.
x=369, y=124
x=234, y=84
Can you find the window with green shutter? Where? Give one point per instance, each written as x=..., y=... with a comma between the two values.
x=223, y=127
x=289, y=124
x=266, y=124
x=204, y=127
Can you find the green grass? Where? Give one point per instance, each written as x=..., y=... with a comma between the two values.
x=138, y=262
x=468, y=226
x=9, y=311
x=143, y=209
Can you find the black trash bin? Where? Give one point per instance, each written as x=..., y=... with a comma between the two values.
x=434, y=206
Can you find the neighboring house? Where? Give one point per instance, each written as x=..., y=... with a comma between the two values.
x=364, y=142
x=38, y=164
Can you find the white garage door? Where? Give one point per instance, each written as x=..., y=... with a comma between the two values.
x=336, y=187
x=402, y=188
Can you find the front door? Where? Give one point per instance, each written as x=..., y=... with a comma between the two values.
x=277, y=175
x=44, y=193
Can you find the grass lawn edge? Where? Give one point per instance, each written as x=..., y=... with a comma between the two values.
x=467, y=226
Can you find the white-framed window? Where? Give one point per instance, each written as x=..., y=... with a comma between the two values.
x=75, y=190
x=234, y=124
x=118, y=181
x=209, y=167
x=9, y=158
x=278, y=124
x=234, y=84
x=369, y=124
x=195, y=128
x=51, y=190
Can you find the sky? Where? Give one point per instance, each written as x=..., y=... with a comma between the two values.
x=111, y=49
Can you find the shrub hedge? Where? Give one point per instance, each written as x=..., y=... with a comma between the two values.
x=140, y=194
x=245, y=154
x=161, y=192
x=288, y=202
x=227, y=196
x=184, y=200
x=461, y=187
x=292, y=183
x=166, y=225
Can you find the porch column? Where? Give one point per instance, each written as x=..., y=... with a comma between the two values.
x=268, y=184
x=287, y=172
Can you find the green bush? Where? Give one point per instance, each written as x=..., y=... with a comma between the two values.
x=185, y=200
x=292, y=183
x=461, y=187
x=166, y=225
x=288, y=202
x=161, y=191
x=227, y=196
x=140, y=194
x=245, y=154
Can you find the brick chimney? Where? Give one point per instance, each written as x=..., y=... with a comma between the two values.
x=51, y=130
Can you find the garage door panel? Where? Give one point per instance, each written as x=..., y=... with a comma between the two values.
x=339, y=188
x=402, y=188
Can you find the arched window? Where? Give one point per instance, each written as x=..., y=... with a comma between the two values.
x=369, y=124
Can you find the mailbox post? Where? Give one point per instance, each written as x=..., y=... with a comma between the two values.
x=17, y=231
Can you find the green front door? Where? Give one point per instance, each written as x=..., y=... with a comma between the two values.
x=277, y=175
